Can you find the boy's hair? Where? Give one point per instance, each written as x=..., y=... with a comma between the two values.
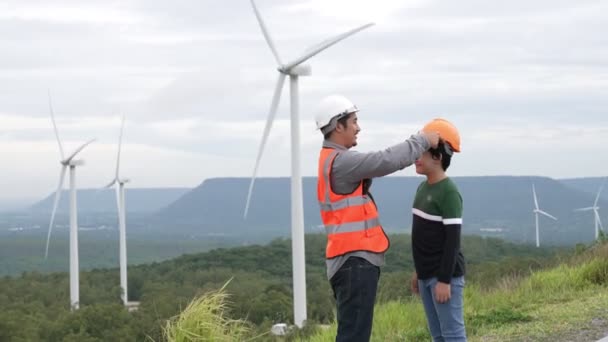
x=443, y=153
x=341, y=121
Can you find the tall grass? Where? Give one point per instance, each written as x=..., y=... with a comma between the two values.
x=205, y=319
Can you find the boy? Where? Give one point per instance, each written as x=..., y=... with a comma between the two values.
x=436, y=226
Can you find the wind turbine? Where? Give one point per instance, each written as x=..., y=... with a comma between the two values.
x=120, y=202
x=595, y=208
x=65, y=163
x=293, y=69
x=537, y=211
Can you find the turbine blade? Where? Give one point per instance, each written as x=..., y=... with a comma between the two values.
x=266, y=33
x=535, y=199
x=324, y=45
x=597, y=216
x=122, y=127
x=55, y=125
x=597, y=198
x=55, y=204
x=271, y=115
x=109, y=185
x=584, y=209
x=79, y=149
x=547, y=214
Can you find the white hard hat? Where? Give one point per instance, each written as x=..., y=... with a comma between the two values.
x=330, y=110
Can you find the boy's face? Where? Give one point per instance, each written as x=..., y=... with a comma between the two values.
x=426, y=164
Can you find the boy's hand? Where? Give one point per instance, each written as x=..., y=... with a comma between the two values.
x=442, y=292
x=414, y=284
x=433, y=138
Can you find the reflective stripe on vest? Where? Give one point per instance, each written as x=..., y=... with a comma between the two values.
x=351, y=221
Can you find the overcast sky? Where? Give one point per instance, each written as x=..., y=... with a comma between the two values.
x=526, y=82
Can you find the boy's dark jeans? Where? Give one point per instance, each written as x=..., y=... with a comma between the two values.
x=354, y=287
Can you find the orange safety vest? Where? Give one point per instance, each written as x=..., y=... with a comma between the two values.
x=351, y=221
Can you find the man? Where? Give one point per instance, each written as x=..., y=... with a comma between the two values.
x=437, y=211
x=356, y=242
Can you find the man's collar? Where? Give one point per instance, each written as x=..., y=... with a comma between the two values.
x=331, y=144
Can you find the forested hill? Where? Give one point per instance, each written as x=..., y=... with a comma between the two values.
x=35, y=306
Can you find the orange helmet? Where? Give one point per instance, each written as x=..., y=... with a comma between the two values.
x=447, y=132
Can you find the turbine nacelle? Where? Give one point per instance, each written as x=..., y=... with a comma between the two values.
x=298, y=70
x=73, y=162
x=119, y=181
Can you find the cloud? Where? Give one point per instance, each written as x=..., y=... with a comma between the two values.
x=521, y=79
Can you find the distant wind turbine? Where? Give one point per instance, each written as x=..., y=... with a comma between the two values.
x=537, y=211
x=65, y=163
x=120, y=203
x=595, y=209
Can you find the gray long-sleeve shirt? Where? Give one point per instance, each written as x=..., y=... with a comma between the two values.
x=350, y=168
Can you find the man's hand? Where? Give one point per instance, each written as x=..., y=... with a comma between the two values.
x=442, y=292
x=414, y=284
x=433, y=138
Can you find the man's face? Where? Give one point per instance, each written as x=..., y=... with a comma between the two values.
x=426, y=164
x=351, y=130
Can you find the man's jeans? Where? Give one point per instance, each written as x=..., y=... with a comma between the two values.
x=446, y=321
x=355, y=286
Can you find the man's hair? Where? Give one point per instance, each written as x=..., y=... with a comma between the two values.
x=442, y=153
x=341, y=121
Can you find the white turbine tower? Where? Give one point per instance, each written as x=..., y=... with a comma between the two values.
x=293, y=69
x=65, y=163
x=537, y=211
x=595, y=208
x=120, y=204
